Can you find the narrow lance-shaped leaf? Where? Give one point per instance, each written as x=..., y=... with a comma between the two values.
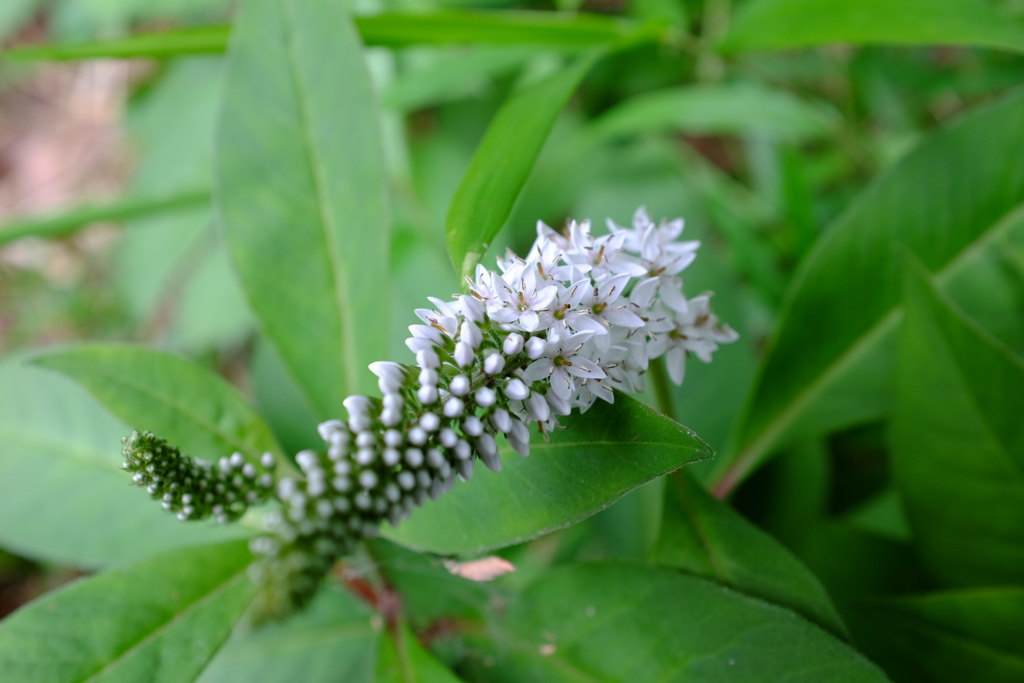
x=600, y=456
x=617, y=622
x=503, y=162
x=158, y=620
x=159, y=392
x=830, y=362
x=705, y=537
x=786, y=24
x=124, y=209
x=958, y=442
x=63, y=496
x=390, y=29
x=737, y=108
x=301, y=191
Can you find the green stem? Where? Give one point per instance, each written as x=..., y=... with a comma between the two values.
x=662, y=389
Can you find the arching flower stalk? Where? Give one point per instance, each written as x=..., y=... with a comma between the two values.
x=579, y=316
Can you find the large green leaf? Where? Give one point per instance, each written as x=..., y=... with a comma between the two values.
x=68, y=222
x=302, y=195
x=958, y=443
x=503, y=162
x=783, y=24
x=948, y=202
x=704, y=537
x=387, y=29
x=158, y=620
x=946, y=637
x=612, y=622
x=63, y=496
x=735, y=108
x=602, y=455
x=404, y=660
x=177, y=400
x=430, y=593
x=335, y=639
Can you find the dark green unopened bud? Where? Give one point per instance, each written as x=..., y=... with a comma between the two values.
x=194, y=488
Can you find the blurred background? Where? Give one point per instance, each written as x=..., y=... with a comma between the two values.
x=759, y=153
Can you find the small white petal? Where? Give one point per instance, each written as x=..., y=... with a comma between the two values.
x=494, y=364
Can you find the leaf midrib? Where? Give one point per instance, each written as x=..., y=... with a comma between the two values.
x=326, y=223
x=767, y=437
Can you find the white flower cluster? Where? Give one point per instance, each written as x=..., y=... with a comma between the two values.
x=580, y=316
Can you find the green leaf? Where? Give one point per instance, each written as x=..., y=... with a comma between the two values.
x=177, y=400
x=717, y=109
x=310, y=240
x=63, y=496
x=602, y=455
x=946, y=637
x=503, y=161
x=616, y=622
x=158, y=620
x=429, y=591
x=387, y=29
x=958, y=442
x=704, y=537
x=335, y=639
x=785, y=24
x=66, y=223
x=404, y=660
x=454, y=76
x=948, y=202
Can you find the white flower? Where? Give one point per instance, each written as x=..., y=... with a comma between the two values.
x=561, y=362
x=524, y=302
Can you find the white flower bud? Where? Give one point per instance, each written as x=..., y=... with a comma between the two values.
x=268, y=460
x=365, y=456
x=463, y=450
x=515, y=390
x=465, y=469
x=407, y=480
x=367, y=479
x=306, y=460
x=464, y=354
x=538, y=407
x=360, y=423
x=365, y=439
x=535, y=347
x=393, y=402
x=414, y=457
x=390, y=417
x=484, y=397
x=435, y=459
x=513, y=344
x=417, y=436
x=459, y=386
x=472, y=426
x=430, y=422
x=391, y=456
x=448, y=438
x=393, y=438
x=326, y=429
x=454, y=407
x=494, y=363
x=428, y=359
x=501, y=420
x=427, y=394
